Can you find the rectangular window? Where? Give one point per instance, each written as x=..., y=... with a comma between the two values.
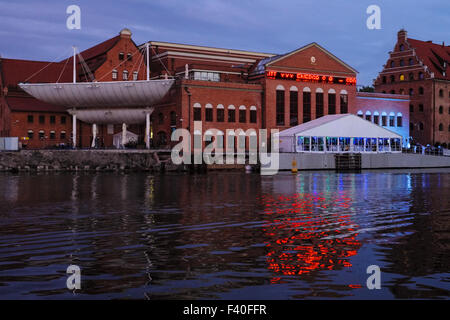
x=197, y=114
x=344, y=103
x=384, y=121
x=209, y=114
x=368, y=117
x=331, y=103
x=135, y=76
x=399, y=122
x=52, y=119
x=52, y=135
x=242, y=116
x=41, y=135
x=30, y=134
x=63, y=120
x=62, y=135
x=319, y=105
x=280, y=107
x=306, y=106
x=231, y=115
x=41, y=119
x=252, y=116
x=293, y=108
x=220, y=115
x=30, y=119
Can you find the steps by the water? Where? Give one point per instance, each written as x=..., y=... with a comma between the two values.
x=348, y=162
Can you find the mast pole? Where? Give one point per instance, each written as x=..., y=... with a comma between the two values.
x=74, y=64
x=148, y=61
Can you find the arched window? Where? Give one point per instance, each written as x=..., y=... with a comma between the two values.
x=114, y=74
x=319, y=103
x=208, y=112
x=125, y=75
x=220, y=113
x=197, y=112
x=399, y=119
x=242, y=114
x=253, y=115
x=441, y=93
x=384, y=119
x=293, y=106
x=306, y=104
x=376, y=118
x=368, y=116
x=135, y=76
x=231, y=113
x=280, y=105
x=441, y=127
x=441, y=109
x=331, y=101
x=360, y=114
x=392, y=119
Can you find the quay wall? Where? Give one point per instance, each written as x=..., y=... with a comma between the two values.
x=80, y=160
x=325, y=161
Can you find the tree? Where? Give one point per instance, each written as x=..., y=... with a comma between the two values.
x=367, y=89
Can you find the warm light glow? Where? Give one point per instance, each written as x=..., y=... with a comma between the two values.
x=307, y=77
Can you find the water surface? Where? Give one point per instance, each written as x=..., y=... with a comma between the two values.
x=226, y=235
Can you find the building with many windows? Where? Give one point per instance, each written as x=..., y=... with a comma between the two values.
x=223, y=89
x=420, y=69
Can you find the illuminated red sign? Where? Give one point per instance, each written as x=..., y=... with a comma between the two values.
x=307, y=77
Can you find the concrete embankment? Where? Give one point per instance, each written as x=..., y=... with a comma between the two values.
x=326, y=161
x=82, y=160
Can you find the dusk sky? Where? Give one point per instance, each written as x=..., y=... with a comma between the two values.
x=37, y=29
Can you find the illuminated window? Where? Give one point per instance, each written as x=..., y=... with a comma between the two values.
x=280, y=106
x=293, y=108
x=402, y=77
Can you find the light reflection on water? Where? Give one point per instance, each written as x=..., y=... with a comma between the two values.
x=225, y=235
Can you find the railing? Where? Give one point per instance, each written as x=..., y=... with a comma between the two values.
x=425, y=151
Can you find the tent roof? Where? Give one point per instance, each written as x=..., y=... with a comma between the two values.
x=339, y=125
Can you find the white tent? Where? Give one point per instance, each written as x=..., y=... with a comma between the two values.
x=339, y=133
x=118, y=138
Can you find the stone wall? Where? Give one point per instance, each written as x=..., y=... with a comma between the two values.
x=74, y=160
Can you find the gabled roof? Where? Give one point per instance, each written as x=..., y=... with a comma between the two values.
x=339, y=125
x=15, y=71
x=98, y=50
x=31, y=104
x=433, y=56
x=313, y=44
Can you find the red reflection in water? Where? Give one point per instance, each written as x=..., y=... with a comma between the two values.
x=308, y=233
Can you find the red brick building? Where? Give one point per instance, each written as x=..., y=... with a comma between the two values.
x=225, y=89
x=421, y=70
